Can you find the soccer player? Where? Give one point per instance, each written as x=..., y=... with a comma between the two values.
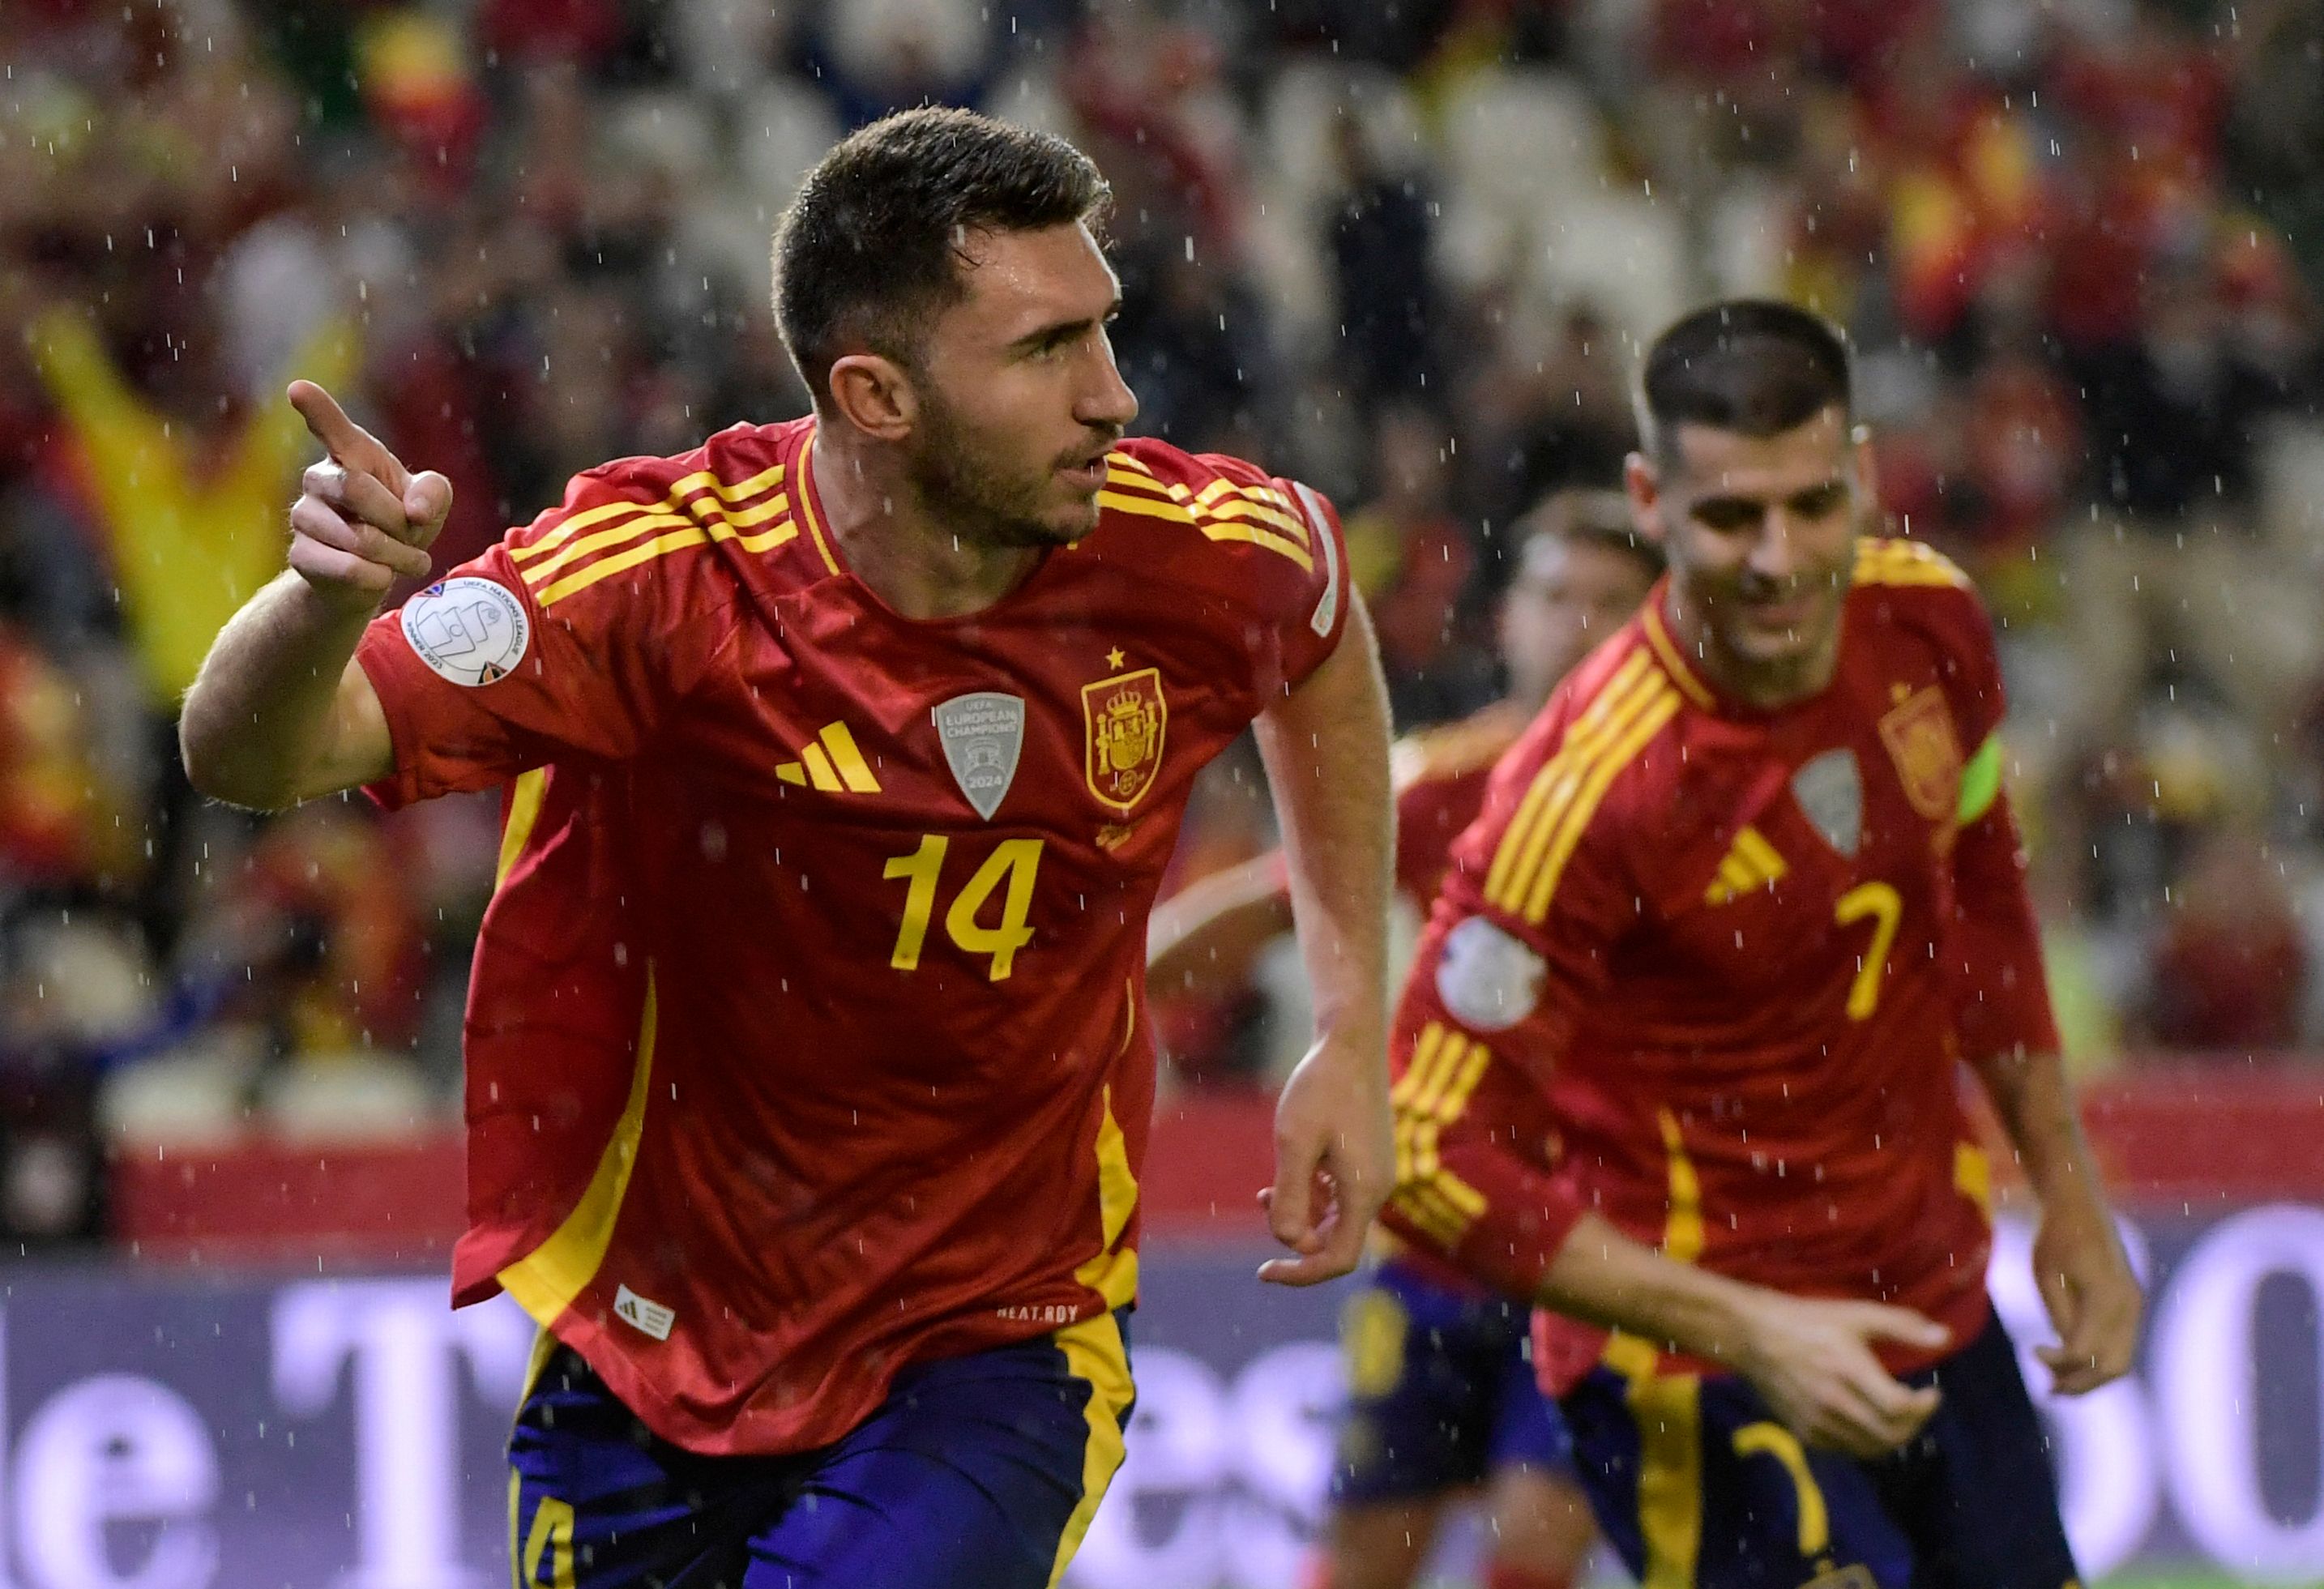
x=1440, y=1372
x=807, y=1071
x=1741, y=902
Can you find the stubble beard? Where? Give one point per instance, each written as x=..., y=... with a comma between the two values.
x=982, y=505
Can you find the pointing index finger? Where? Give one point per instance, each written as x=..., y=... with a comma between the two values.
x=348, y=442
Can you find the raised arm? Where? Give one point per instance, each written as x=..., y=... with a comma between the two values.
x=1325, y=747
x=280, y=713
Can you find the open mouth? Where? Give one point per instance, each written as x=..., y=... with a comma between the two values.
x=1088, y=477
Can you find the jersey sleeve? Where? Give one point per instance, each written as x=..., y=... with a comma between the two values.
x=1492, y=1005
x=1272, y=555
x=2003, y=1001
x=1301, y=605
x=1428, y=818
x=568, y=641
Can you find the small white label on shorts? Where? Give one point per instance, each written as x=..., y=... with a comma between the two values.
x=651, y=1318
x=467, y=630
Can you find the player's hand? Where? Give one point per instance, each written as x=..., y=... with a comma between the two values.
x=2093, y=1299
x=1334, y=1160
x=362, y=519
x=1811, y=1362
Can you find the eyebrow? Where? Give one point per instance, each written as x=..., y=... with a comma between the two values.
x=1062, y=330
x=1733, y=503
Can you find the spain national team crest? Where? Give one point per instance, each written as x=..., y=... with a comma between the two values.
x=1919, y=735
x=1126, y=717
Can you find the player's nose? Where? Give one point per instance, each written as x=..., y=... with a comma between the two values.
x=1106, y=399
x=1776, y=554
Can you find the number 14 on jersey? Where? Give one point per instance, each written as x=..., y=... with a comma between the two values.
x=1013, y=862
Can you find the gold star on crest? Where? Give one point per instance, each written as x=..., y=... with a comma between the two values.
x=1113, y=658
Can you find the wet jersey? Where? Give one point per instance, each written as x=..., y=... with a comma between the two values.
x=1709, y=971
x=1440, y=776
x=804, y=1040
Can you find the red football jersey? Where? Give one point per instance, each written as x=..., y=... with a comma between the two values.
x=1708, y=971
x=806, y=1037
x=1440, y=777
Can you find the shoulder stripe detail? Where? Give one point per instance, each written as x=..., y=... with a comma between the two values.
x=1119, y=478
x=676, y=540
x=1225, y=509
x=699, y=481
x=1666, y=653
x=1533, y=813
x=1152, y=507
x=1245, y=507
x=1896, y=560
x=606, y=567
x=1230, y=499
x=1128, y=460
x=1259, y=537
x=701, y=511
x=1661, y=705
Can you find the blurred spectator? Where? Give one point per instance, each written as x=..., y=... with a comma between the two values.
x=184, y=481
x=323, y=930
x=1547, y=405
x=1389, y=307
x=2168, y=560
x=1413, y=562
x=2229, y=972
x=61, y=833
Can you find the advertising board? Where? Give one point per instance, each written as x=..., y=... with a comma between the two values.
x=180, y=1430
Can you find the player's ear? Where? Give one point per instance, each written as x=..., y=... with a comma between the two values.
x=1643, y=486
x=875, y=395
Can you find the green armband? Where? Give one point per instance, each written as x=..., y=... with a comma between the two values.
x=1980, y=781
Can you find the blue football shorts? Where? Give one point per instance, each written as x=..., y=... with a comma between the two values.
x=1695, y=1482
x=1440, y=1391
x=979, y=1470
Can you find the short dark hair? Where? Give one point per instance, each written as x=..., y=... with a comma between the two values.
x=1751, y=365
x=1583, y=516
x=868, y=252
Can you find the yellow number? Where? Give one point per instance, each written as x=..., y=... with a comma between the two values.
x=1879, y=901
x=1778, y=1442
x=552, y=1534
x=921, y=866
x=1014, y=861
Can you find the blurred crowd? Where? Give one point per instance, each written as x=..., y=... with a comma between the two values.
x=1408, y=252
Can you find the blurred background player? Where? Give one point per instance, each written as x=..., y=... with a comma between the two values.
x=1443, y=1396
x=808, y=1094
x=1704, y=972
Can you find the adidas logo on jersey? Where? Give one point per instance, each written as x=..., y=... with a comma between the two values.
x=831, y=762
x=1752, y=863
x=639, y=1314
